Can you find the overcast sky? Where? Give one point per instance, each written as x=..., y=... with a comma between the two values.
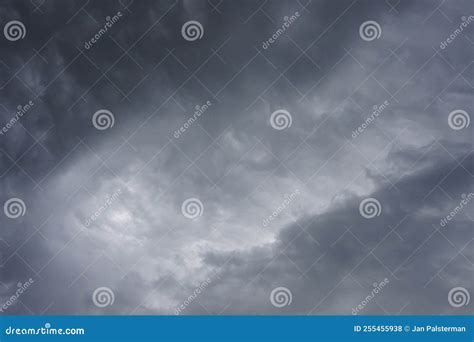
x=277, y=166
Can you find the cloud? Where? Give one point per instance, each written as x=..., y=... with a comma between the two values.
x=104, y=206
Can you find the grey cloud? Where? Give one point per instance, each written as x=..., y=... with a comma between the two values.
x=230, y=157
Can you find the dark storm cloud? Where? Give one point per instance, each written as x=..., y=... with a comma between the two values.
x=321, y=71
x=336, y=273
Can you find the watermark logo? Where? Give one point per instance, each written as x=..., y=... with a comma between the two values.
x=199, y=110
x=458, y=297
x=281, y=119
x=192, y=208
x=109, y=200
x=376, y=111
x=462, y=204
x=377, y=287
x=370, y=208
x=192, y=30
x=103, y=119
x=21, y=110
x=14, y=208
x=103, y=296
x=286, y=202
x=109, y=22
x=370, y=30
x=459, y=119
x=14, y=30
x=47, y=329
x=21, y=288
x=286, y=24
x=464, y=24
x=280, y=297
x=197, y=291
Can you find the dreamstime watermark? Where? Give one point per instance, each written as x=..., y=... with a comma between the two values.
x=377, y=287
x=283, y=205
x=110, y=199
x=281, y=119
x=22, y=287
x=14, y=30
x=14, y=208
x=370, y=208
x=191, y=298
x=199, y=110
x=192, y=208
x=192, y=30
x=464, y=24
x=109, y=22
x=46, y=330
x=103, y=119
x=376, y=111
x=21, y=110
x=103, y=296
x=459, y=119
x=458, y=297
x=286, y=24
x=370, y=30
x=281, y=297
x=462, y=204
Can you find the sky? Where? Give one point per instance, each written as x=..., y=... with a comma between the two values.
x=236, y=157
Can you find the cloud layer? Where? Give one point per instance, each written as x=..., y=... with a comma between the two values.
x=278, y=122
